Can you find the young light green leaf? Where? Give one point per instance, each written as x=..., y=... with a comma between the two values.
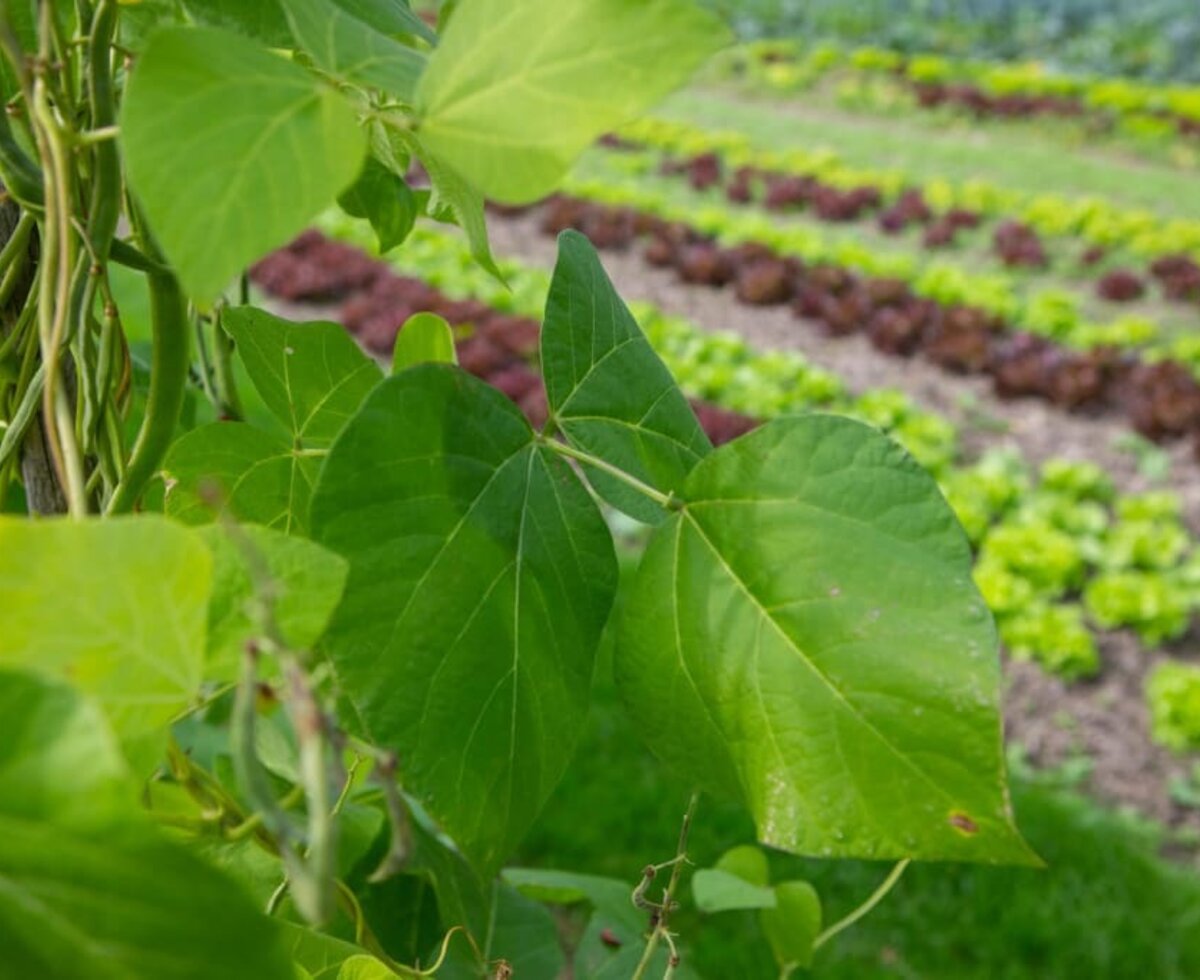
x=609, y=393
x=364, y=967
x=481, y=574
x=747, y=862
x=385, y=200
x=505, y=67
x=463, y=200
x=232, y=150
x=132, y=637
x=258, y=477
x=312, y=376
x=90, y=888
x=352, y=49
x=307, y=581
x=58, y=758
x=425, y=338
x=793, y=924
x=716, y=890
x=805, y=635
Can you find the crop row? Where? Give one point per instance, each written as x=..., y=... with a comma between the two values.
x=983, y=88
x=1014, y=243
x=766, y=265
x=1094, y=220
x=1127, y=545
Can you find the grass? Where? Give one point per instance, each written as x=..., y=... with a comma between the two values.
x=1009, y=158
x=1106, y=906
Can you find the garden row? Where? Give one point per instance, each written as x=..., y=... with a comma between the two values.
x=984, y=89
x=767, y=265
x=1028, y=231
x=1013, y=243
x=1057, y=550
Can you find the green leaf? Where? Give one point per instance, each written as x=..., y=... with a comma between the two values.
x=364, y=967
x=425, y=338
x=464, y=201
x=392, y=17
x=747, y=862
x=716, y=890
x=58, y=758
x=805, y=635
x=481, y=575
x=262, y=20
x=90, y=889
x=793, y=924
x=609, y=393
x=312, y=376
x=116, y=607
x=385, y=200
x=505, y=68
x=353, y=50
x=232, y=150
x=260, y=478
x=307, y=581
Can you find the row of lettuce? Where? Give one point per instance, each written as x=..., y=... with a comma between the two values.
x=631, y=179
x=1135, y=108
x=1061, y=554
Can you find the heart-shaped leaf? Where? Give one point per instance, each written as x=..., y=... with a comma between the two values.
x=232, y=150
x=505, y=67
x=481, y=574
x=608, y=391
x=805, y=635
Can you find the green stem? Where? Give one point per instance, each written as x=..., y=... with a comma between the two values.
x=226, y=383
x=169, y=365
x=663, y=924
x=876, y=897
x=666, y=500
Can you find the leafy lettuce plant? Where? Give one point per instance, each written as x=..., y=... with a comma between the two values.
x=1173, y=694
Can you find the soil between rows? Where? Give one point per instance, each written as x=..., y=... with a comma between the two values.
x=1104, y=720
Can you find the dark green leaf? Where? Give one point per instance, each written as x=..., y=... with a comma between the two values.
x=793, y=924
x=351, y=49
x=262, y=20
x=805, y=635
x=481, y=574
x=306, y=580
x=258, y=477
x=385, y=200
x=312, y=376
x=392, y=17
x=716, y=890
x=518, y=88
x=425, y=338
x=90, y=889
x=609, y=393
x=232, y=150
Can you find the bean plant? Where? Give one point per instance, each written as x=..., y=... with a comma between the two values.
x=292, y=652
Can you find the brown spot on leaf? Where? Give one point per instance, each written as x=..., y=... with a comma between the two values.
x=960, y=821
